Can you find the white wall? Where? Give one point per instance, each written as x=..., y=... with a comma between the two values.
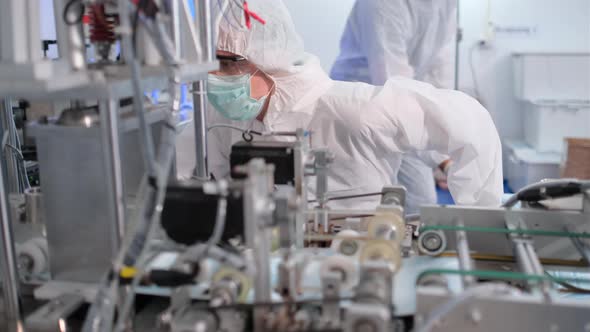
x=558, y=26
x=321, y=23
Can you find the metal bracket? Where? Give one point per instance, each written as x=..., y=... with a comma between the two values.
x=331, y=306
x=367, y=317
x=394, y=195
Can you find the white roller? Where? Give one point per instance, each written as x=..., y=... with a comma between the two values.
x=36, y=251
x=344, y=265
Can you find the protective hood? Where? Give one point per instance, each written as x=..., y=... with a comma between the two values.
x=277, y=50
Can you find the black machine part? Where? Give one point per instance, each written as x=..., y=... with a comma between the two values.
x=280, y=154
x=189, y=213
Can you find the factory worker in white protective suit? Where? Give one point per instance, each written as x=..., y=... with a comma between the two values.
x=409, y=38
x=268, y=83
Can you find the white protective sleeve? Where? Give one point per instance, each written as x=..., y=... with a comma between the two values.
x=448, y=122
x=384, y=29
x=442, y=71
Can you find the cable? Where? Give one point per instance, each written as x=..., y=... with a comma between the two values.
x=548, y=189
x=246, y=133
x=130, y=298
x=79, y=16
x=143, y=261
x=152, y=190
x=220, y=220
x=337, y=198
x=567, y=285
x=15, y=151
x=446, y=308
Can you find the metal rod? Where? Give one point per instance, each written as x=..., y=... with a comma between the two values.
x=465, y=262
x=11, y=161
x=301, y=149
x=200, y=118
x=580, y=245
x=204, y=22
x=522, y=257
x=109, y=123
x=8, y=270
x=146, y=138
x=176, y=33
x=537, y=267
x=257, y=235
x=321, y=218
x=323, y=158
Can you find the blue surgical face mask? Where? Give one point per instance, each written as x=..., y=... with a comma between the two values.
x=230, y=96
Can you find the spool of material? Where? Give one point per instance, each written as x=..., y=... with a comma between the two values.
x=381, y=250
x=577, y=159
x=386, y=226
x=345, y=266
x=33, y=257
x=243, y=281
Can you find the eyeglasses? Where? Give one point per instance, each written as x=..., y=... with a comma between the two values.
x=233, y=65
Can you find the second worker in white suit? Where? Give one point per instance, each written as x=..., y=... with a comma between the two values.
x=267, y=82
x=407, y=38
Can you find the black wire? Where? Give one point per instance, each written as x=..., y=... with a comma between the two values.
x=67, y=9
x=567, y=285
x=247, y=135
x=349, y=197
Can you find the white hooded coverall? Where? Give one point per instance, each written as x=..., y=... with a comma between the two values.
x=366, y=127
x=409, y=38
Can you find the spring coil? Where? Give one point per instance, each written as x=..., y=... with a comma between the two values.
x=102, y=26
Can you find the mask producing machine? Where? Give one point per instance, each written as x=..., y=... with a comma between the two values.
x=111, y=240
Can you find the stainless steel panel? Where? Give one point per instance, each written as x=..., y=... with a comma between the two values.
x=79, y=210
x=496, y=243
x=505, y=313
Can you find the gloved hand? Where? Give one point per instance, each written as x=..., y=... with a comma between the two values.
x=441, y=173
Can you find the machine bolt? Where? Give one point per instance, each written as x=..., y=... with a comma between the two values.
x=348, y=248
x=24, y=264
x=475, y=316
x=432, y=242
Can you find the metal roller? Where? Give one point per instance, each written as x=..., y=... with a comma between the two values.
x=432, y=243
x=346, y=245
